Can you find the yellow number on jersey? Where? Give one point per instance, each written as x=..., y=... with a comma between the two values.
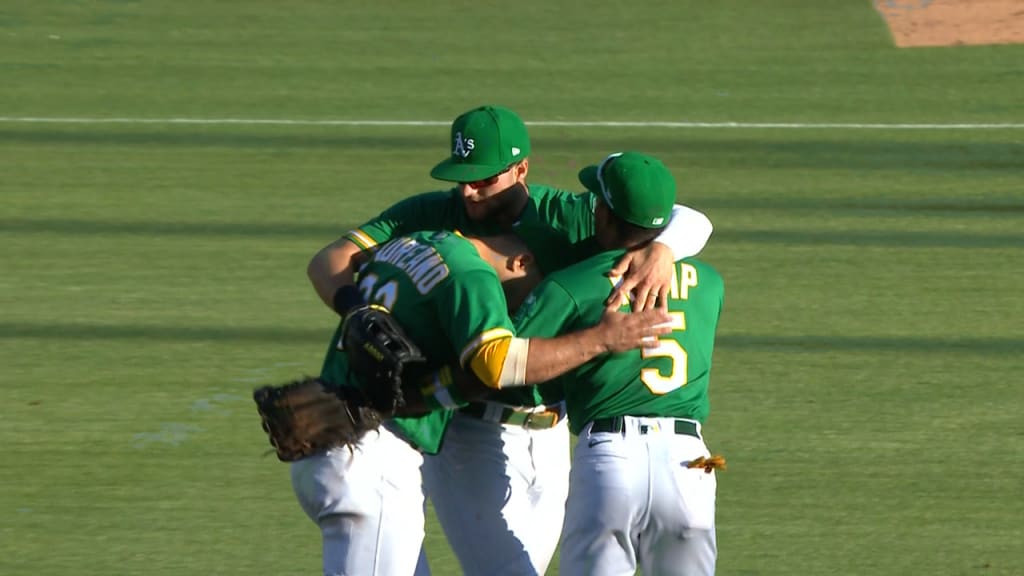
x=667, y=347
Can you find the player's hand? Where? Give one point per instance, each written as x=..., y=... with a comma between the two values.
x=621, y=331
x=647, y=273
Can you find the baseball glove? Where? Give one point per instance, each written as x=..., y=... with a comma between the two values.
x=379, y=354
x=309, y=415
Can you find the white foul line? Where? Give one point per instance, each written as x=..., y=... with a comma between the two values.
x=562, y=123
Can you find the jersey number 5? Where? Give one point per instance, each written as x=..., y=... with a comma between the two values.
x=667, y=347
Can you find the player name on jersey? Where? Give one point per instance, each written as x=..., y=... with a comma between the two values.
x=420, y=262
x=684, y=277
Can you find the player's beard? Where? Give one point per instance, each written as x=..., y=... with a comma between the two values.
x=502, y=209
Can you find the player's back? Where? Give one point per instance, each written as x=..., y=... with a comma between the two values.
x=555, y=224
x=443, y=295
x=413, y=275
x=668, y=380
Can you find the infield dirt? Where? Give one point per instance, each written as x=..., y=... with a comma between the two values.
x=916, y=23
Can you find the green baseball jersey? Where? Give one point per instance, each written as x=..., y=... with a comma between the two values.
x=557, y=226
x=448, y=300
x=668, y=380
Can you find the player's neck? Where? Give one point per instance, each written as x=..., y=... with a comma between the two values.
x=514, y=200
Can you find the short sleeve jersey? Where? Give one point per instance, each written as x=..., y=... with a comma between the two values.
x=557, y=226
x=448, y=300
x=670, y=380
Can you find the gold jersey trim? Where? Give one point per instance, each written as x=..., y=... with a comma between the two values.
x=361, y=239
x=485, y=355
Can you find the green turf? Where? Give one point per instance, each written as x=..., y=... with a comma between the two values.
x=867, y=387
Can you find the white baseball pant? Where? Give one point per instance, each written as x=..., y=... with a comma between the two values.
x=369, y=506
x=499, y=492
x=633, y=502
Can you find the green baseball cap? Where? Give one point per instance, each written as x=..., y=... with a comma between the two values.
x=485, y=141
x=638, y=188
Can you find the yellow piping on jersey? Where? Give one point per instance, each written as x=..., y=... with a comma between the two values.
x=361, y=239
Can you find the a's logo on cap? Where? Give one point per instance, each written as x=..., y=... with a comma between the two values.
x=462, y=146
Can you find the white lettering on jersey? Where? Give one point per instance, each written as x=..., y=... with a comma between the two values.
x=422, y=264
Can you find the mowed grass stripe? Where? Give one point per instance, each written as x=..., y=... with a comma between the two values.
x=315, y=336
x=824, y=149
x=152, y=229
x=548, y=123
x=860, y=439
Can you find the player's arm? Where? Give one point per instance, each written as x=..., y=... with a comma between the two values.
x=646, y=272
x=687, y=233
x=473, y=318
x=560, y=340
x=617, y=332
x=334, y=266
x=508, y=360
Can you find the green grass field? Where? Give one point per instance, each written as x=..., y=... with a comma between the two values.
x=867, y=388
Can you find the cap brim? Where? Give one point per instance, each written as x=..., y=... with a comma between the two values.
x=588, y=177
x=451, y=171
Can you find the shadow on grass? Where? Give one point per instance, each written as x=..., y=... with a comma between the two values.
x=872, y=238
x=317, y=336
x=872, y=208
x=863, y=151
x=217, y=137
x=75, y=227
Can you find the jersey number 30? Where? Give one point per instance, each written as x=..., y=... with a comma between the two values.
x=667, y=347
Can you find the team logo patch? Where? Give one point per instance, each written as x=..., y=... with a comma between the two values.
x=462, y=147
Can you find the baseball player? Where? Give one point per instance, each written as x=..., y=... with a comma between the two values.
x=634, y=500
x=500, y=481
x=447, y=291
